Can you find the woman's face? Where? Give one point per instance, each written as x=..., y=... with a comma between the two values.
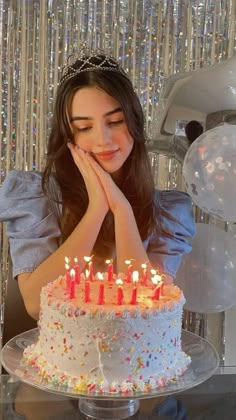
x=99, y=127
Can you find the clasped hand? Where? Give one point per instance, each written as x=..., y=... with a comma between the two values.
x=102, y=191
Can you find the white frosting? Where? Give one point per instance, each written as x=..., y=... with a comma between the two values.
x=111, y=348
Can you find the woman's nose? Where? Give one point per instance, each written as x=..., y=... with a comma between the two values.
x=103, y=136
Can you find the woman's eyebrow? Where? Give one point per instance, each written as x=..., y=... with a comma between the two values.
x=112, y=112
x=75, y=118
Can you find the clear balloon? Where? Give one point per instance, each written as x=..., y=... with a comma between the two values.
x=207, y=275
x=209, y=172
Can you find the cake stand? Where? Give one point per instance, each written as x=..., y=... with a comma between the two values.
x=106, y=406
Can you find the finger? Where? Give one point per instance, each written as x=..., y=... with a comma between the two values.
x=90, y=170
x=97, y=168
x=78, y=157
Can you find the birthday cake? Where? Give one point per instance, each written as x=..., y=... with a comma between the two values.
x=104, y=336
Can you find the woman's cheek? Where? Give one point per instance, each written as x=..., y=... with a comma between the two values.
x=82, y=145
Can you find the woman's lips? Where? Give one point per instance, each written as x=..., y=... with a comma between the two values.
x=106, y=155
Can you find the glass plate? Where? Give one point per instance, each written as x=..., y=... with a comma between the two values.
x=205, y=361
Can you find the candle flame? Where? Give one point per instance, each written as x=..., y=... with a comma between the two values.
x=144, y=266
x=87, y=259
x=135, y=276
x=153, y=271
x=99, y=276
x=156, y=279
x=72, y=272
x=67, y=260
x=119, y=282
x=76, y=260
x=127, y=262
x=67, y=267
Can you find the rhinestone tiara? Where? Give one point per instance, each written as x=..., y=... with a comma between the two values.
x=88, y=59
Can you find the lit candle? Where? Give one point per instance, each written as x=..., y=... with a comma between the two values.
x=100, y=290
x=90, y=267
x=77, y=272
x=144, y=275
x=110, y=270
x=129, y=271
x=72, y=283
x=120, y=294
x=67, y=267
x=160, y=279
x=134, y=290
x=67, y=260
x=156, y=281
x=87, y=291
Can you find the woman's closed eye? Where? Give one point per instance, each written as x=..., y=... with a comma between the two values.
x=83, y=128
x=110, y=123
x=117, y=122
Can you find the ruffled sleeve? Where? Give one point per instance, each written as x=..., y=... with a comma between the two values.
x=175, y=225
x=32, y=225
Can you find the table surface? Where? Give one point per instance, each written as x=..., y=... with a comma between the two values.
x=213, y=399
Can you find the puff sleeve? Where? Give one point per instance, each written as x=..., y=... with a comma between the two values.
x=175, y=225
x=32, y=225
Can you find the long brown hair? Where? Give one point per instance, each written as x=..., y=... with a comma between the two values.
x=137, y=181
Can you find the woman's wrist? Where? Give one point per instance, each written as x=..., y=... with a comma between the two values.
x=98, y=212
x=123, y=210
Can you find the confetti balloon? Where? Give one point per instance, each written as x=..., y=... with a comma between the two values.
x=207, y=274
x=209, y=172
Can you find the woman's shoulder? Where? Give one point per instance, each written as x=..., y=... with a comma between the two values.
x=175, y=208
x=171, y=197
x=19, y=182
x=32, y=221
x=22, y=190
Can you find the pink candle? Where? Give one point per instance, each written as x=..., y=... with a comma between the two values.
x=156, y=281
x=129, y=271
x=134, y=296
x=72, y=283
x=87, y=291
x=110, y=270
x=135, y=276
x=156, y=294
x=77, y=272
x=101, y=294
x=120, y=294
x=100, y=289
x=144, y=275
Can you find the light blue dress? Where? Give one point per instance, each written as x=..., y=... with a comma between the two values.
x=33, y=226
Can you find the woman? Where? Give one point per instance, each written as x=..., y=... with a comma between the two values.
x=98, y=171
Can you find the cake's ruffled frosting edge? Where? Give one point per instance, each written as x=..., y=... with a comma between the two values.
x=85, y=385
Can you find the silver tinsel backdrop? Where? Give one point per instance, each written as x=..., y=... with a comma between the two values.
x=152, y=39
